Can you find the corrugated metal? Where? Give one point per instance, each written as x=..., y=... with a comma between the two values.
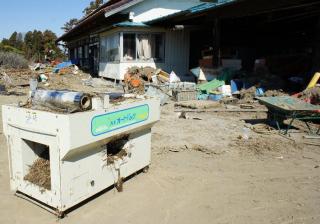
x=130, y=24
x=205, y=6
x=177, y=52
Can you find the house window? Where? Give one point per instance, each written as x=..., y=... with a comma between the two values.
x=75, y=53
x=129, y=46
x=103, y=49
x=86, y=51
x=72, y=54
x=109, y=47
x=143, y=47
x=79, y=52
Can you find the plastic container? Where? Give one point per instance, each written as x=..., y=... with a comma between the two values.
x=226, y=90
x=259, y=92
x=215, y=97
x=245, y=133
x=202, y=96
x=237, y=85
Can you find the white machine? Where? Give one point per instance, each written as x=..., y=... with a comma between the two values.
x=81, y=149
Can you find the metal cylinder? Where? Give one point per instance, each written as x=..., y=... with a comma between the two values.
x=63, y=100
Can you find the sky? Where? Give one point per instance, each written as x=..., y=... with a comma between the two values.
x=25, y=15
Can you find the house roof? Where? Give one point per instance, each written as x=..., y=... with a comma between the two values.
x=107, y=7
x=233, y=9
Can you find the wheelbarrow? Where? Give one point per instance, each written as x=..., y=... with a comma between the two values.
x=283, y=108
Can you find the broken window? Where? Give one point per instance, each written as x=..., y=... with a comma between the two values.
x=129, y=46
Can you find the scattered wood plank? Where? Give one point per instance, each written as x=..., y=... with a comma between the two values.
x=311, y=143
x=222, y=110
x=246, y=106
x=311, y=137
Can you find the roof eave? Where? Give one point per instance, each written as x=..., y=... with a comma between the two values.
x=123, y=4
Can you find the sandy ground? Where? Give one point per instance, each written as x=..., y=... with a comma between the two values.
x=200, y=173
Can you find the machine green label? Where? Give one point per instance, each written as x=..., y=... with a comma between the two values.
x=119, y=119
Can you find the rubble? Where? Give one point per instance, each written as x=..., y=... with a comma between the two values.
x=97, y=82
x=270, y=93
x=262, y=144
x=248, y=95
x=136, y=77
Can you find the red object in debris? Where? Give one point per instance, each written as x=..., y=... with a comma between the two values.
x=55, y=62
x=296, y=95
x=135, y=83
x=307, y=100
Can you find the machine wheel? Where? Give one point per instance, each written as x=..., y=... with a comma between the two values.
x=146, y=169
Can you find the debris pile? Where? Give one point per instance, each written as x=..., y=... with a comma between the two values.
x=15, y=77
x=263, y=143
x=248, y=95
x=136, y=77
x=312, y=94
x=39, y=173
x=156, y=82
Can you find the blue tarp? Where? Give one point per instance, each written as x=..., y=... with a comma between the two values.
x=62, y=65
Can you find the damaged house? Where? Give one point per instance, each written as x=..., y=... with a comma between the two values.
x=179, y=35
x=117, y=36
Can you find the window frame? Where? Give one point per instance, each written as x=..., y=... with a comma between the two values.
x=122, y=59
x=121, y=47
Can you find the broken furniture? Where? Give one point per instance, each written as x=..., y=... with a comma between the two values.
x=85, y=152
x=282, y=108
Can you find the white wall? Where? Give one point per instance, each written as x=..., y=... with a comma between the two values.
x=153, y=9
x=118, y=70
x=109, y=70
